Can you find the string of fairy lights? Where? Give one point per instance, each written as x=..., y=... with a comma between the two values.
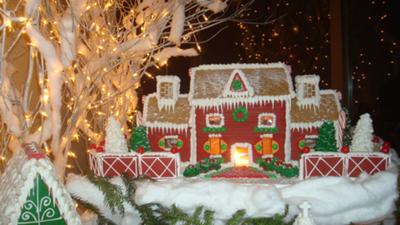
x=297, y=34
x=376, y=58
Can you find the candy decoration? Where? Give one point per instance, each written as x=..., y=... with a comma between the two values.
x=386, y=144
x=306, y=150
x=140, y=150
x=174, y=150
x=375, y=139
x=99, y=149
x=385, y=149
x=345, y=149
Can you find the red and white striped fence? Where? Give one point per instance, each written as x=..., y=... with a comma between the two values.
x=151, y=164
x=321, y=164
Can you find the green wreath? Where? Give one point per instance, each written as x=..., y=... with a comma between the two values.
x=240, y=114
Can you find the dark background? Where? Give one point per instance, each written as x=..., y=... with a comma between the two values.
x=304, y=35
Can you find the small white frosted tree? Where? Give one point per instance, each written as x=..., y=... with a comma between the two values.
x=362, y=138
x=85, y=60
x=115, y=140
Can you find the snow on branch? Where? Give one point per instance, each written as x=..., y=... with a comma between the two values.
x=166, y=53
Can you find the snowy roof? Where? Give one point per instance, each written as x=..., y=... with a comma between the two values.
x=153, y=115
x=209, y=81
x=328, y=109
x=18, y=180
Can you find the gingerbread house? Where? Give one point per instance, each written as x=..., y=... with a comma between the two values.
x=240, y=112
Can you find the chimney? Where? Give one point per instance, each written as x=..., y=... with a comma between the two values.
x=167, y=91
x=307, y=89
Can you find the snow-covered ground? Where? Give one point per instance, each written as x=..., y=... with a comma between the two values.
x=334, y=200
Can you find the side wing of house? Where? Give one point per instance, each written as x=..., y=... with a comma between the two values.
x=307, y=119
x=166, y=116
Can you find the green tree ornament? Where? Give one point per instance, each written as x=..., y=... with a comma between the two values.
x=326, y=141
x=139, y=138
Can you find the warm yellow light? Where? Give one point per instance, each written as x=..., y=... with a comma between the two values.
x=71, y=154
x=241, y=156
x=45, y=96
x=108, y=5
x=7, y=22
x=44, y=114
x=28, y=116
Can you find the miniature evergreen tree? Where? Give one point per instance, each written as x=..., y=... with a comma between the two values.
x=139, y=139
x=347, y=135
x=115, y=140
x=326, y=141
x=362, y=139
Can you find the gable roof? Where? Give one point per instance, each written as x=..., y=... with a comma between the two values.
x=328, y=109
x=154, y=117
x=18, y=180
x=267, y=80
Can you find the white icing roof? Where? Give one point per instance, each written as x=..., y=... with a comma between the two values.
x=17, y=181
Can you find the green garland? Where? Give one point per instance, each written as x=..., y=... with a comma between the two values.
x=214, y=129
x=240, y=110
x=203, y=166
x=282, y=169
x=272, y=130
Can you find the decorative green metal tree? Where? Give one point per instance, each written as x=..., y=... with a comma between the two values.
x=139, y=139
x=40, y=207
x=326, y=141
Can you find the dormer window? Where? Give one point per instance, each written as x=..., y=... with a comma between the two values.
x=215, y=120
x=266, y=120
x=167, y=91
x=307, y=88
x=309, y=91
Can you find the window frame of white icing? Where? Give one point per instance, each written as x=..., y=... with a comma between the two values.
x=310, y=137
x=260, y=125
x=175, y=85
x=165, y=137
x=301, y=82
x=208, y=124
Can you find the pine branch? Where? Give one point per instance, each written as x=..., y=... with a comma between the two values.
x=101, y=219
x=113, y=195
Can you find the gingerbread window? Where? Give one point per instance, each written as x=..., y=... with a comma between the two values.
x=266, y=120
x=166, y=90
x=215, y=120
